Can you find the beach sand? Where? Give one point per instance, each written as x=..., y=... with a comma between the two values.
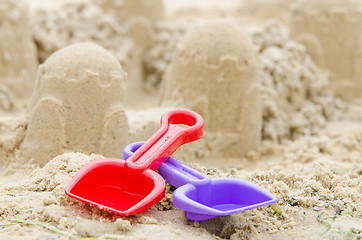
x=271, y=116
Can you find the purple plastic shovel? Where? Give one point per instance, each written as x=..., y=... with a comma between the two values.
x=204, y=198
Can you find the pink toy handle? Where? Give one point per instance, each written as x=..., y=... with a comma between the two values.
x=167, y=139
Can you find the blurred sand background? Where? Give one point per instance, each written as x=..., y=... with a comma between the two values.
x=308, y=153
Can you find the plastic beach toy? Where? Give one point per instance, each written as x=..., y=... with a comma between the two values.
x=204, y=198
x=131, y=187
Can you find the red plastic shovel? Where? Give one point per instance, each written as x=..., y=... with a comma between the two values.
x=131, y=187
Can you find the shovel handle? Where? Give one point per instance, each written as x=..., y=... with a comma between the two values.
x=167, y=139
x=173, y=171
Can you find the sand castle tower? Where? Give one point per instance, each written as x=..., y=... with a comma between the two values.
x=77, y=105
x=18, y=60
x=140, y=18
x=332, y=32
x=259, y=11
x=213, y=72
x=140, y=15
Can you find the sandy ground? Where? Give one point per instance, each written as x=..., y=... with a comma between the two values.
x=309, y=157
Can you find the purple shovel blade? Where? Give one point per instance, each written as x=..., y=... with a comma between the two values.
x=204, y=198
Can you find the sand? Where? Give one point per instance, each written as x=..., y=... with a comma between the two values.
x=81, y=81
x=18, y=59
x=272, y=116
x=314, y=23
x=200, y=75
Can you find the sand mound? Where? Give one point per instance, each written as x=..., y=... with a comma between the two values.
x=296, y=99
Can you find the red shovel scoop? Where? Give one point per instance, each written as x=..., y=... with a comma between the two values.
x=131, y=187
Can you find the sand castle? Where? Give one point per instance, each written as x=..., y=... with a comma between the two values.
x=309, y=157
x=141, y=16
x=18, y=59
x=259, y=11
x=152, y=10
x=74, y=22
x=77, y=105
x=332, y=33
x=213, y=71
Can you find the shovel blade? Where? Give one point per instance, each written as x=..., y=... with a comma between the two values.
x=108, y=184
x=220, y=197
